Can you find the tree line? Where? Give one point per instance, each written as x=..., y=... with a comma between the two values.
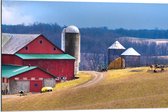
x=93, y=40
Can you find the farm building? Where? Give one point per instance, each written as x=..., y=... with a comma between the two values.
x=114, y=51
x=36, y=50
x=25, y=78
x=132, y=58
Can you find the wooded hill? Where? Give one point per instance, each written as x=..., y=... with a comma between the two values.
x=151, y=44
x=97, y=40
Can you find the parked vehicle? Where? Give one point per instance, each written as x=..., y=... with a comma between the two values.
x=46, y=89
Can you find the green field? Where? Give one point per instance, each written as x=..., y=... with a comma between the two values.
x=126, y=88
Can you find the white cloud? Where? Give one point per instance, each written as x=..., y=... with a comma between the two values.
x=13, y=16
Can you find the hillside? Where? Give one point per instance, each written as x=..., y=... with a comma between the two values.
x=150, y=47
x=95, y=42
x=126, y=88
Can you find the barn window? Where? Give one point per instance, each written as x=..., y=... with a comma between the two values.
x=5, y=80
x=16, y=78
x=26, y=48
x=55, y=48
x=24, y=78
x=41, y=41
x=40, y=78
x=33, y=78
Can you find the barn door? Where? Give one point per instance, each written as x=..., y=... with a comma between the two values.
x=23, y=85
x=35, y=86
x=16, y=86
x=50, y=82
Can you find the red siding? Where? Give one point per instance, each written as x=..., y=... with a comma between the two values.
x=46, y=47
x=3, y=79
x=56, y=67
x=11, y=59
x=35, y=86
x=36, y=73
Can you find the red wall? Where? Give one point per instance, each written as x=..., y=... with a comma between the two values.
x=11, y=59
x=4, y=80
x=46, y=47
x=36, y=73
x=56, y=67
x=35, y=86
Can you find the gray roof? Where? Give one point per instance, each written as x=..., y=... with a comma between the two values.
x=11, y=43
x=5, y=39
x=116, y=45
x=130, y=52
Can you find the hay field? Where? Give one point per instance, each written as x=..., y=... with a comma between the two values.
x=82, y=77
x=126, y=88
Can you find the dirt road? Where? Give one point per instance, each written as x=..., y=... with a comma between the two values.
x=98, y=76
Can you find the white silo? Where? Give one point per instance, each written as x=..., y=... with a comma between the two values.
x=70, y=43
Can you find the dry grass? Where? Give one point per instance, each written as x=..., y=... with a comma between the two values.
x=127, y=88
x=82, y=78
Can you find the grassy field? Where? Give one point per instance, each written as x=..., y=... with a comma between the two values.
x=82, y=77
x=127, y=88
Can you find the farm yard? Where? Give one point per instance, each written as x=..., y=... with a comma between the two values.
x=121, y=88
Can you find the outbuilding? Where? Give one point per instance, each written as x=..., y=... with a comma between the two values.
x=114, y=51
x=25, y=78
x=131, y=57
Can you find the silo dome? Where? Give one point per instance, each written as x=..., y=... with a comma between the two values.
x=71, y=29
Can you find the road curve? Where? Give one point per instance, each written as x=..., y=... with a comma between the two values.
x=98, y=76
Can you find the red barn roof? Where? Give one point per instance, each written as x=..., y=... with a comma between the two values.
x=12, y=43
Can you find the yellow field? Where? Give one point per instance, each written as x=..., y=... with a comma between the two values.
x=126, y=88
x=82, y=78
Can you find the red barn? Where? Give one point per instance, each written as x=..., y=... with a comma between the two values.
x=36, y=50
x=25, y=78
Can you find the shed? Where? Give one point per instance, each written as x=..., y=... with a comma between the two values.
x=132, y=57
x=114, y=51
x=26, y=78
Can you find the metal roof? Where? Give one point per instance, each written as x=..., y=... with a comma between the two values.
x=10, y=70
x=71, y=29
x=116, y=45
x=45, y=56
x=14, y=42
x=130, y=52
x=5, y=39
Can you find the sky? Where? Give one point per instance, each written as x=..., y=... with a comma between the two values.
x=86, y=14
